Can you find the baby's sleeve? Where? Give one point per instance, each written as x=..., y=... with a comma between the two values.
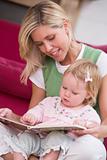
x=38, y=112
x=91, y=115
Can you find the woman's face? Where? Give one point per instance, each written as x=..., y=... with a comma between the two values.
x=53, y=42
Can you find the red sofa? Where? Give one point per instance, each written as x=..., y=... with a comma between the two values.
x=13, y=94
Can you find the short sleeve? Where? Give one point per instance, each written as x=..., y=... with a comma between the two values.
x=102, y=63
x=37, y=78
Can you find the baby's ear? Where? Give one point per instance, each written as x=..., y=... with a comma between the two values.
x=88, y=95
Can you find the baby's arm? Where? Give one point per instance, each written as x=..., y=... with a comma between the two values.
x=33, y=116
x=36, y=114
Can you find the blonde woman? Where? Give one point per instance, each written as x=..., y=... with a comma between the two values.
x=48, y=46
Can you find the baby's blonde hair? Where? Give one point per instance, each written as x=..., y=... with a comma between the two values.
x=80, y=69
x=44, y=12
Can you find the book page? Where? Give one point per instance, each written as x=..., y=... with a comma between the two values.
x=55, y=125
x=45, y=126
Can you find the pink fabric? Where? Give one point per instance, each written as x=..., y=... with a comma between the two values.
x=18, y=105
x=12, y=93
x=10, y=71
x=51, y=109
x=9, y=47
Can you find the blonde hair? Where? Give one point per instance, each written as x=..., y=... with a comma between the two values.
x=44, y=12
x=80, y=69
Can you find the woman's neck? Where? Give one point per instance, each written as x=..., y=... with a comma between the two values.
x=73, y=53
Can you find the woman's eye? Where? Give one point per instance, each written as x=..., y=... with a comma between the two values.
x=51, y=37
x=39, y=44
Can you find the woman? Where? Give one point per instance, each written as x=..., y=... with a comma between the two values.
x=48, y=47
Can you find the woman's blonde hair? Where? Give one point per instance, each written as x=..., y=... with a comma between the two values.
x=87, y=72
x=44, y=12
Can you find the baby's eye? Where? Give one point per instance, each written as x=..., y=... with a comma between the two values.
x=75, y=93
x=64, y=87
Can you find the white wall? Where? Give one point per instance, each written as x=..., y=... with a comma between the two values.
x=91, y=26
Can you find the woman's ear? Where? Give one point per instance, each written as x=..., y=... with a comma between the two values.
x=66, y=24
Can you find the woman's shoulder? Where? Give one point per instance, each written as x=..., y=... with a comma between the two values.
x=93, y=49
x=91, y=53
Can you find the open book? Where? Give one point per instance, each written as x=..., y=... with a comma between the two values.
x=45, y=126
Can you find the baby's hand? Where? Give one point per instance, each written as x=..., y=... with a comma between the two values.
x=5, y=112
x=28, y=118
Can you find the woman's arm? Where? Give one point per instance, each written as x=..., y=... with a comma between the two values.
x=103, y=98
x=103, y=107
x=38, y=94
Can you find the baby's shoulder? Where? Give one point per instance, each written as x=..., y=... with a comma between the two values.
x=51, y=99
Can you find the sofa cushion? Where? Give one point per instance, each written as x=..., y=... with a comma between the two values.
x=9, y=47
x=17, y=104
x=10, y=71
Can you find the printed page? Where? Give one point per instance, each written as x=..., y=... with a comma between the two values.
x=55, y=125
x=45, y=126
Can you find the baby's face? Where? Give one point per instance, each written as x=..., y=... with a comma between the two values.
x=73, y=91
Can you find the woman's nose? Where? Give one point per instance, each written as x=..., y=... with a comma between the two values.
x=47, y=47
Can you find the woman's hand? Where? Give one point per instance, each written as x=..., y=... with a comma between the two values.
x=6, y=112
x=92, y=128
x=94, y=131
x=98, y=131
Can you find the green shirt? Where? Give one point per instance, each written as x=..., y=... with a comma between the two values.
x=53, y=79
